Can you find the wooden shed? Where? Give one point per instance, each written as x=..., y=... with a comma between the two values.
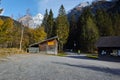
x=48, y=46
x=109, y=46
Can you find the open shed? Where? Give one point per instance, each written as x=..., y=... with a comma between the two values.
x=48, y=46
x=109, y=46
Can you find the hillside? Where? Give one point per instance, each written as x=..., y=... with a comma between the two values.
x=12, y=33
x=109, y=6
x=88, y=22
x=16, y=23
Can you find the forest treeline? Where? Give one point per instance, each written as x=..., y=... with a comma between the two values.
x=11, y=31
x=83, y=32
x=72, y=34
x=10, y=34
x=90, y=25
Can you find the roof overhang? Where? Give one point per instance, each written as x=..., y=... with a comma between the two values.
x=37, y=44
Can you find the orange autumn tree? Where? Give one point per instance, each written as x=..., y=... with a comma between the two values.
x=6, y=28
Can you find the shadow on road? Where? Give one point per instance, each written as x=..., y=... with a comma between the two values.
x=100, y=69
x=83, y=56
x=78, y=57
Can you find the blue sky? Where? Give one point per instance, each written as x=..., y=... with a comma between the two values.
x=17, y=8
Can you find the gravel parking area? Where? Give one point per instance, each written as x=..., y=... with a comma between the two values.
x=44, y=67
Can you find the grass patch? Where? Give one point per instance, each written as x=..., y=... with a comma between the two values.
x=94, y=56
x=4, y=52
x=61, y=54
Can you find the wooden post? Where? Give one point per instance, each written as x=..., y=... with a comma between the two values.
x=56, y=49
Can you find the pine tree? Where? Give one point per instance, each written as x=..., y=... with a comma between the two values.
x=50, y=24
x=104, y=23
x=1, y=9
x=87, y=30
x=45, y=23
x=54, y=29
x=72, y=39
x=62, y=11
x=62, y=27
x=73, y=25
x=116, y=24
x=91, y=34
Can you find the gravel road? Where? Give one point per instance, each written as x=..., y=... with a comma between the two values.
x=44, y=67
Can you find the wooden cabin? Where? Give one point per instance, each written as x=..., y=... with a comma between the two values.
x=48, y=46
x=109, y=46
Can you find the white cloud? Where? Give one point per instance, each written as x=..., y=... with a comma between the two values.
x=43, y=1
x=46, y=1
x=42, y=5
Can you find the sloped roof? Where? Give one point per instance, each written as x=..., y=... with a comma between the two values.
x=36, y=44
x=111, y=41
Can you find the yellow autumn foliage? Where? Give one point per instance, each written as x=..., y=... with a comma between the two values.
x=39, y=34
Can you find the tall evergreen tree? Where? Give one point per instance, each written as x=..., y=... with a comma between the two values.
x=62, y=27
x=62, y=11
x=104, y=23
x=45, y=23
x=73, y=25
x=50, y=21
x=116, y=24
x=91, y=34
x=87, y=30
x=54, y=29
x=72, y=39
x=1, y=9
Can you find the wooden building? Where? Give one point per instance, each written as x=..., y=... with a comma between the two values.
x=109, y=46
x=48, y=46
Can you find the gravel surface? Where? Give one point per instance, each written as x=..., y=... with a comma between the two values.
x=44, y=67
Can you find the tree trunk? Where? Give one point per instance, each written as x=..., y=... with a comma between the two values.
x=21, y=38
x=60, y=46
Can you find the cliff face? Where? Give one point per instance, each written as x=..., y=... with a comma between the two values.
x=30, y=21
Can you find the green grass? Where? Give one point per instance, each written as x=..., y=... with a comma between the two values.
x=61, y=54
x=93, y=56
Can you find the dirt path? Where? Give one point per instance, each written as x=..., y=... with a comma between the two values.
x=43, y=67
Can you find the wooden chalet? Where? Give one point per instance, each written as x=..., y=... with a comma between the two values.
x=48, y=46
x=109, y=46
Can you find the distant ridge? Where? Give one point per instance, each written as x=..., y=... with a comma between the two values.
x=107, y=5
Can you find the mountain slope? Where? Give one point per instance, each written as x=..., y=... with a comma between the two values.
x=109, y=6
x=77, y=10
x=38, y=20
x=30, y=21
x=16, y=23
